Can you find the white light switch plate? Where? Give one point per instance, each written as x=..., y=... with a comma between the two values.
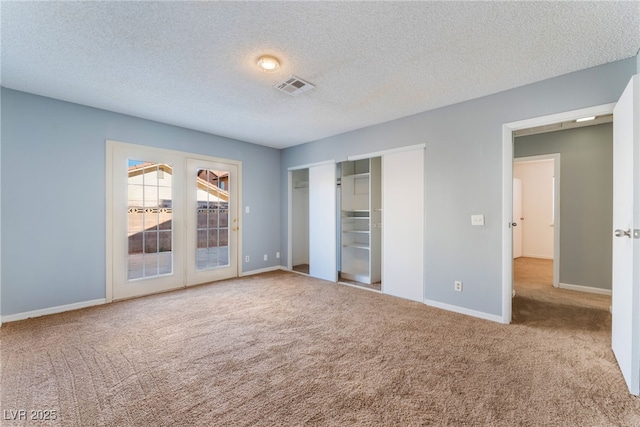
x=477, y=219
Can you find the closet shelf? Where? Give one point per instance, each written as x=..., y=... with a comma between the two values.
x=356, y=231
x=356, y=246
x=358, y=175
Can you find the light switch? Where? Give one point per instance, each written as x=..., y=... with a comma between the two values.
x=477, y=219
x=246, y=209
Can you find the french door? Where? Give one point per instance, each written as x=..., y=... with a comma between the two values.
x=172, y=220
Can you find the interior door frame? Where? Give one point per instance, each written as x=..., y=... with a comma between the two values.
x=507, y=187
x=290, y=205
x=556, y=213
x=110, y=146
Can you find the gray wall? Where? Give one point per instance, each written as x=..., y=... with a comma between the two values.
x=53, y=196
x=586, y=199
x=463, y=173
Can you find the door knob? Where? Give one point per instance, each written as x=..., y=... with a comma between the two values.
x=514, y=224
x=623, y=233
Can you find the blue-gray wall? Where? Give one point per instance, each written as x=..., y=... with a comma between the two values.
x=463, y=173
x=53, y=196
x=586, y=198
x=53, y=180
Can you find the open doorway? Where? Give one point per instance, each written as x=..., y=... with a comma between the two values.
x=536, y=222
x=300, y=221
x=509, y=130
x=569, y=266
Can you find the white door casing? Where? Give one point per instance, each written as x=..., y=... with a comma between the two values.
x=517, y=214
x=625, y=337
x=403, y=224
x=507, y=190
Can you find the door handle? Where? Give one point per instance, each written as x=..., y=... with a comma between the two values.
x=514, y=224
x=623, y=233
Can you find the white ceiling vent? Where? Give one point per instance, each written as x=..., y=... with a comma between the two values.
x=294, y=86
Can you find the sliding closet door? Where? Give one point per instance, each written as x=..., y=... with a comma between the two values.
x=322, y=222
x=403, y=224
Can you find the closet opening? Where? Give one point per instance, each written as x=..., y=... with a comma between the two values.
x=360, y=222
x=300, y=221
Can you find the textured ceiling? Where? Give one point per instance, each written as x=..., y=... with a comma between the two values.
x=192, y=64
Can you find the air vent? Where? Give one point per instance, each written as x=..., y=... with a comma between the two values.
x=294, y=86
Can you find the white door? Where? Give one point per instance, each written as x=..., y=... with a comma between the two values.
x=517, y=215
x=212, y=221
x=625, y=337
x=173, y=220
x=403, y=224
x=322, y=222
x=148, y=230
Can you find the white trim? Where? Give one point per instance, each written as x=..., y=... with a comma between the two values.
x=383, y=152
x=581, y=288
x=536, y=256
x=556, y=157
x=310, y=165
x=465, y=311
x=507, y=188
x=364, y=288
x=109, y=146
x=289, y=220
x=262, y=270
x=52, y=310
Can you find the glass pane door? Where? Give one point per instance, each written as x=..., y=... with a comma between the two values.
x=212, y=220
x=146, y=206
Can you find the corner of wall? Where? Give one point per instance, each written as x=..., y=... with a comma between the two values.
x=0, y=211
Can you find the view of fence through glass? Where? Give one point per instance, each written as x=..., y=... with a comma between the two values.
x=149, y=214
x=213, y=219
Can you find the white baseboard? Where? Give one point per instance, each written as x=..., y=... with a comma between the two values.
x=466, y=311
x=52, y=310
x=537, y=256
x=262, y=270
x=584, y=289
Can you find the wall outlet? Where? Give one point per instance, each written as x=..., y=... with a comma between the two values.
x=457, y=286
x=277, y=254
x=265, y=257
x=246, y=259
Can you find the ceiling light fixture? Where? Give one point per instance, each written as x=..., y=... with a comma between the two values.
x=268, y=64
x=585, y=119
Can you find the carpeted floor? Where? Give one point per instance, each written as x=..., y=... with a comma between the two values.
x=284, y=349
x=533, y=279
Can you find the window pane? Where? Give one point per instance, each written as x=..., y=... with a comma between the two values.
x=149, y=210
x=213, y=218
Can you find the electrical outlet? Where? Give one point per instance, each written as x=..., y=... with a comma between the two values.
x=246, y=259
x=265, y=257
x=457, y=285
x=277, y=254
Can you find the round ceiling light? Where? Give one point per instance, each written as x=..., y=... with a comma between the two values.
x=268, y=64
